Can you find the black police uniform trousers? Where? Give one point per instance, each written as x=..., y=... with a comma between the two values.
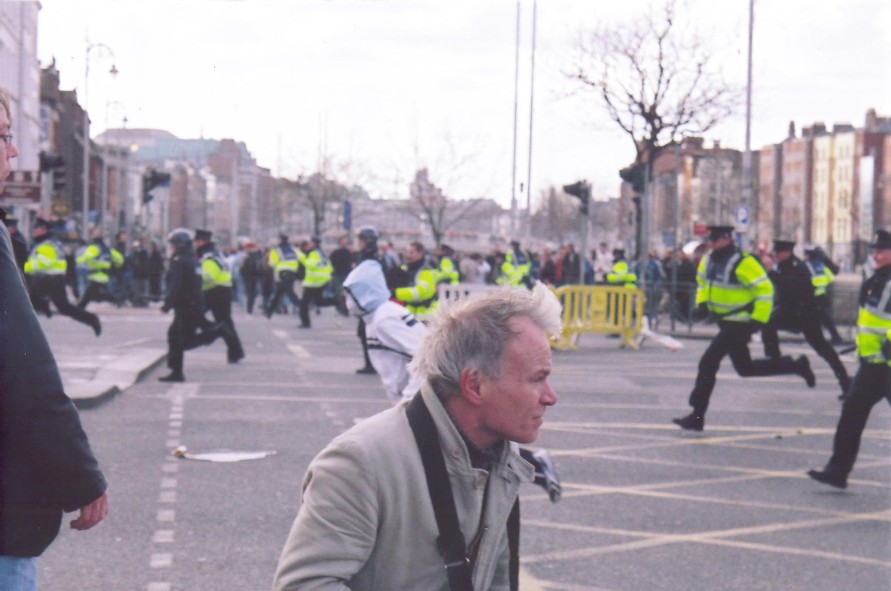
x=312, y=295
x=96, y=292
x=824, y=306
x=733, y=340
x=283, y=287
x=871, y=384
x=219, y=301
x=52, y=287
x=813, y=334
x=189, y=330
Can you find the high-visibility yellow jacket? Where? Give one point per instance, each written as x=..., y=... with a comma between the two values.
x=821, y=276
x=283, y=258
x=46, y=258
x=874, y=319
x=447, y=272
x=318, y=268
x=99, y=258
x=214, y=271
x=621, y=274
x=735, y=286
x=515, y=268
x=420, y=296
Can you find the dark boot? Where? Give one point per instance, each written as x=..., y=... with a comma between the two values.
x=174, y=376
x=830, y=476
x=692, y=422
x=803, y=368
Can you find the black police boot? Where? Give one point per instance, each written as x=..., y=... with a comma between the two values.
x=174, y=376
x=692, y=422
x=830, y=476
x=803, y=368
x=367, y=370
x=96, y=325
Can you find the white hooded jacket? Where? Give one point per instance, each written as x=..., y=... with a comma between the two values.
x=393, y=332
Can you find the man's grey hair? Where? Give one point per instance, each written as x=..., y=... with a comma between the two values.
x=471, y=333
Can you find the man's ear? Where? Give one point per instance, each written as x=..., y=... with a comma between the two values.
x=470, y=381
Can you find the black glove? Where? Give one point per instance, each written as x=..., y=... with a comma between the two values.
x=700, y=313
x=886, y=350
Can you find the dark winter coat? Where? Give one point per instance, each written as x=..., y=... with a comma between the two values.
x=46, y=465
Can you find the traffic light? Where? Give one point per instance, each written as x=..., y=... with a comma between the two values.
x=56, y=165
x=635, y=175
x=582, y=191
x=151, y=179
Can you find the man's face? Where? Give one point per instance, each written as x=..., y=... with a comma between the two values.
x=782, y=255
x=412, y=254
x=513, y=406
x=720, y=242
x=882, y=257
x=7, y=153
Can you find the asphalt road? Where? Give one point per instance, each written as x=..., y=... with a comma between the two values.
x=644, y=508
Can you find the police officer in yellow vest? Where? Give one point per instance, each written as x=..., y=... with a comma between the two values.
x=283, y=261
x=46, y=267
x=99, y=259
x=823, y=271
x=216, y=287
x=620, y=274
x=420, y=294
x=873, y=379
x=447, y=271
x=516, y=267
x=735, y=289
x=318, y=275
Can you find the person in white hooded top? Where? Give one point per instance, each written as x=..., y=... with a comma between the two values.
x=393, y=333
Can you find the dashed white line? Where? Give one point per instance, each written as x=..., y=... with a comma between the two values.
x=161, y=561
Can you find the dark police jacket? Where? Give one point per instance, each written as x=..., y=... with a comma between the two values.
x=794, y=301
x=46, y=465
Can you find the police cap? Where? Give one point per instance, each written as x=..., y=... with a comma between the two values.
x=718, y=232
x=783, y=245
x=203, y=235
x=881, y=239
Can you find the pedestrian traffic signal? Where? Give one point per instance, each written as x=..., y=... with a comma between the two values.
x=582, y=191
x=635, y=175
x=151, y=179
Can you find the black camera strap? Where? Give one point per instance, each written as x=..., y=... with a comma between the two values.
x=451, y=540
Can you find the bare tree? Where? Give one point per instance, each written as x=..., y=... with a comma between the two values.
x=556, y=217
x=657, y=82
x=438, y=212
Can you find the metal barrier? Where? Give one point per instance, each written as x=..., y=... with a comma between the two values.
x=599, y=309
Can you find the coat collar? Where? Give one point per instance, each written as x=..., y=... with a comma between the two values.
x=455, y=450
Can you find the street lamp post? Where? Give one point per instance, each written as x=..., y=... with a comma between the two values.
x=85, y=222
x=103, y=206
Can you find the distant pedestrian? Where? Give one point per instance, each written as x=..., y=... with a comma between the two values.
x=341, y=263
x=873, y=379
x=253, y=268
x=156, y=271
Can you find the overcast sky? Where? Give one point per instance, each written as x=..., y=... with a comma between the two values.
x=389, y=86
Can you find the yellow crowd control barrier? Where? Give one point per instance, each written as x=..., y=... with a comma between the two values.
x=599, y=309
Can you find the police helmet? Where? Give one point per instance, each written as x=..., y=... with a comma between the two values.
x=180, y=238
x=368, y=235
